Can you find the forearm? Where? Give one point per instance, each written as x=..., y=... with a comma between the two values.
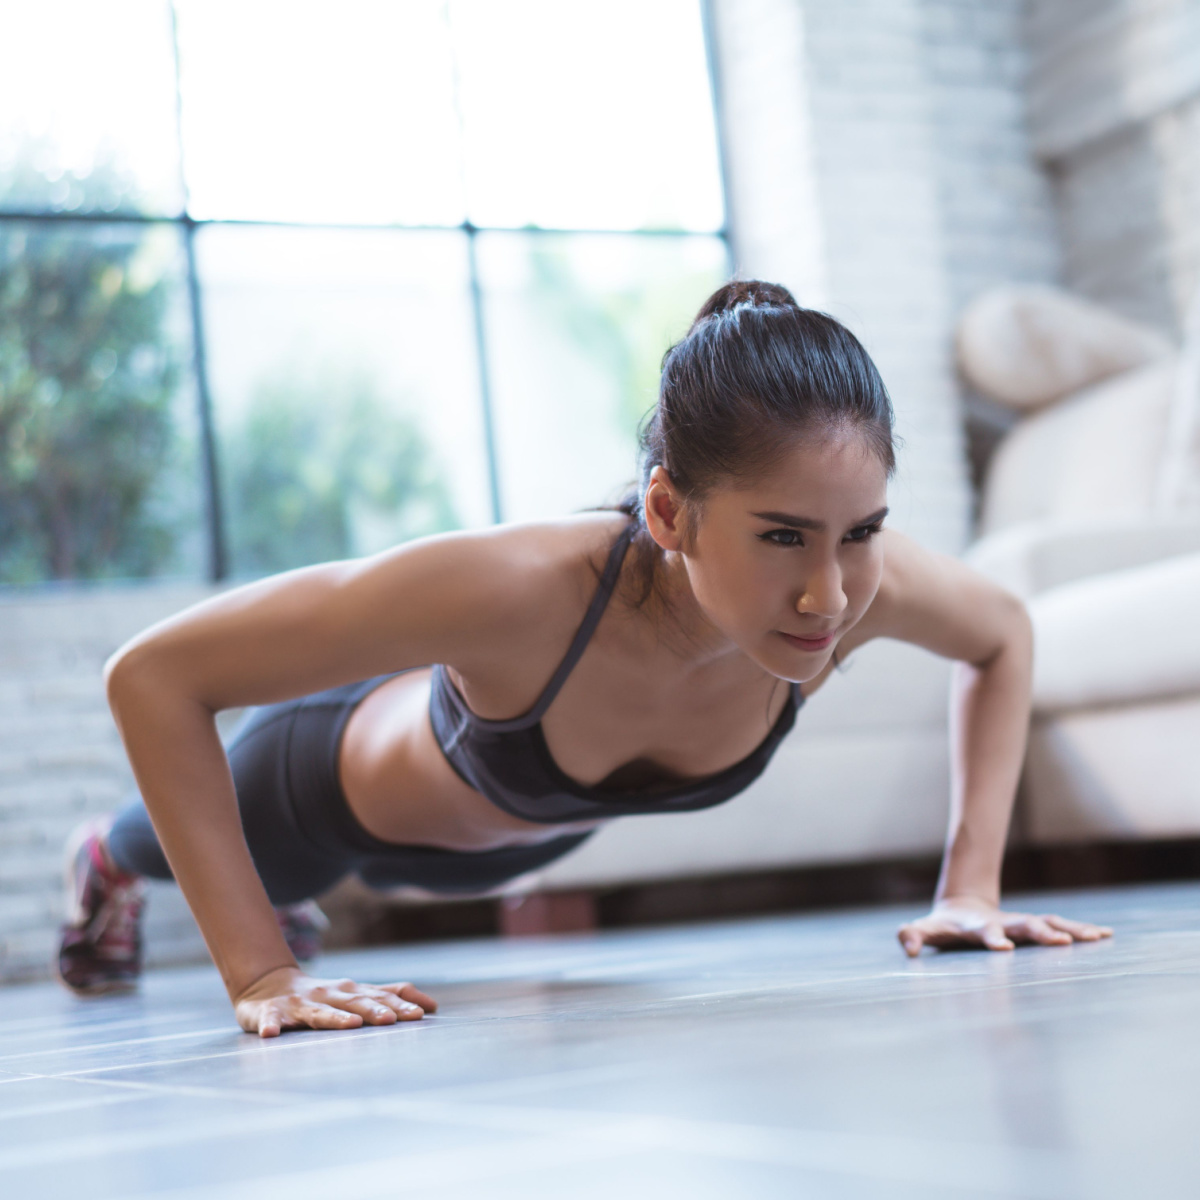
x=184, y=779
x=989, y=728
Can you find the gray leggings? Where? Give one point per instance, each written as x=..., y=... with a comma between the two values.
x=301, y=833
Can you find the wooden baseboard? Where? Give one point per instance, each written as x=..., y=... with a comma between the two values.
x=547, y=912
x=363, y=918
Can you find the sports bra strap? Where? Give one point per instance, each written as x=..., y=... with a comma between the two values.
x=583, y=635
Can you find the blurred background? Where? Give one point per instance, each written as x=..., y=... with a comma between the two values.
x=288, y=282
x=283, y=284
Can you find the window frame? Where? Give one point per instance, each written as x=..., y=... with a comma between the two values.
x=216, y=535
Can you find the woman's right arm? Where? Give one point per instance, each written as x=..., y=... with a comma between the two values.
x=276, y=639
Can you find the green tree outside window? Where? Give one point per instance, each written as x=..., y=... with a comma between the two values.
x=88, y=378
x=322, y=466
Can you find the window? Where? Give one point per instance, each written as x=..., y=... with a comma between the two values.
x=282, y=282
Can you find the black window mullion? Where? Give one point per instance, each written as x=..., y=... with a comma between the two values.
x=218, y=557
x=485, y=378
x=708, y=27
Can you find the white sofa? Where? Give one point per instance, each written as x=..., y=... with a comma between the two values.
x=1091, y=512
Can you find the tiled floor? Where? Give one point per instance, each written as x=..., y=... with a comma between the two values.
x=790, y=1057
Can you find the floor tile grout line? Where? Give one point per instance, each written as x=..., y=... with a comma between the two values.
x=34, y=1026
x=56, y=1107
x=92, y=1046
x=259, y=1046
x=429, y=1105
x=429, y=1169
x=648, y=1131
x=516, y=1085
x=891, y=1158
x=447, y=1025
x=985, y=987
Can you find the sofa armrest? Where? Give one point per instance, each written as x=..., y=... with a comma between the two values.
x=1037, y=556
x=1118, y=638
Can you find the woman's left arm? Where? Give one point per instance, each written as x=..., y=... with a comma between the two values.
x=939, y=603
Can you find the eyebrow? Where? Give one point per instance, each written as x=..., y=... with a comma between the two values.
x=794, y=522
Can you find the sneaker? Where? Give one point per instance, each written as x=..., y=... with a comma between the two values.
x=302, y=925
x=100, y=949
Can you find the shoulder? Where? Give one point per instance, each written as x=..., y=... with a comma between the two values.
x=907, y=568
x=512, y=565
x=494, y=589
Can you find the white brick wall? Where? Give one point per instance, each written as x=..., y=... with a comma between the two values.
x=1114, y=102
x=61, y=760
x=880, y=166
x=996, y=204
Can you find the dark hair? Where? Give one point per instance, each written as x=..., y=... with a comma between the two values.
x=753, y=373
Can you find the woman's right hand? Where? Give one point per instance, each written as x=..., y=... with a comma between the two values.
x=287, y=998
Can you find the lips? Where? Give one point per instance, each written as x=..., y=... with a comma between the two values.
x=812, y=644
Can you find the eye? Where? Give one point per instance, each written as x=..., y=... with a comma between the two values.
x=782, y=537
x=864, y=533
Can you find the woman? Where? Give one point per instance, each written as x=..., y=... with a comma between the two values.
x=657, y=655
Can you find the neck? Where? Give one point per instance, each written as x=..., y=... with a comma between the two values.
x=679, y=622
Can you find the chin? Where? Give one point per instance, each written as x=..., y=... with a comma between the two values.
x=786, y=666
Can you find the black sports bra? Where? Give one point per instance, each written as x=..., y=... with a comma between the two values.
x=510, y=762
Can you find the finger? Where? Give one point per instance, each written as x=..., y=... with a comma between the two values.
x=405, y=1010
x=1081, y=931
x=994, y=938
x=1035, y=929
x=911, y=939
x=945, y=939
x=374, y=1012
x=406, y=991
x=325, y=1016
x=270, y=1021
x=399, y=1007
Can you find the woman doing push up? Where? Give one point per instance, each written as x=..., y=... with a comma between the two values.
x=648, y=659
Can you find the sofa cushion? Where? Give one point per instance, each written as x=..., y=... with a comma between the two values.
x=1095, y=455
x=1124, y=772
x=1118, y=638
x=1035, y=556
x=1027, y=345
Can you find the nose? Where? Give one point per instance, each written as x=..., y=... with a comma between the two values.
x=822, y=593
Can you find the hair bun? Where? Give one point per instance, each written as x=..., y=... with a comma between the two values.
x=754, y=293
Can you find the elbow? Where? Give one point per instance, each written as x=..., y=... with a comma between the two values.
x=148, y=674
x=1021, y=626
x=1017, y=643
x=1012, y=640
x=125, y=671
x=117, y=671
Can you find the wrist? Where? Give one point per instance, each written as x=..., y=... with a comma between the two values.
x=966, y=898
x=279, y=975
x=970, y=872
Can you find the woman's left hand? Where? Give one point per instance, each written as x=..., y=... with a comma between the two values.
x=968, y=921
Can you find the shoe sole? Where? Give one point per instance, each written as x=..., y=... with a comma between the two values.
x=107, y=988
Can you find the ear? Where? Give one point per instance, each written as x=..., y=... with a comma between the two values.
x=664, y=511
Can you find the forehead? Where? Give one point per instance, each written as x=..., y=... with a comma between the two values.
x=817, y=476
